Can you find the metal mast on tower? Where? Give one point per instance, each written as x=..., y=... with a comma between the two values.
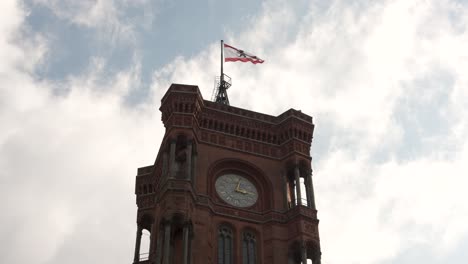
x=222, y=83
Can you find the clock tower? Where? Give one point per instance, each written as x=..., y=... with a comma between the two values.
x=228, y=186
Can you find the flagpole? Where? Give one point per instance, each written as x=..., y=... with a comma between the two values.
x=221, y=94
x=221, y=79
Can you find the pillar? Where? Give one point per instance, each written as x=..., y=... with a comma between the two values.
x=190, y=238
x=306, y=183
x=185, y=242
x=189, y=160
x=297, y=176
x=152, y=238
x=316, y=261
x=172, y=158
x=286, y=191
x=304, y=253
x=136, y=258
x=292, y=192
x=310, y=189
x=159, y=246
x=167, y=242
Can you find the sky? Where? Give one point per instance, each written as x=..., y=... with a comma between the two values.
x=385, y=81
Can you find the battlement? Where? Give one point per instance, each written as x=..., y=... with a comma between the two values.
x=181, y=103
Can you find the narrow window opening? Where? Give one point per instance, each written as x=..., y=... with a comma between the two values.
x=145, y=245
x=249, y=248
x=225, y=247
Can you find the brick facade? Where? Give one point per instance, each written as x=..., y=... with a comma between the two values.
x=177, y=201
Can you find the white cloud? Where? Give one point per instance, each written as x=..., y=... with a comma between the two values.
x=353, y=66
x=68, y=161
x=380, y=79
x=108, y=17
x=71, y=159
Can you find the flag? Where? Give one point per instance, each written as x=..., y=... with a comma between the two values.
x=233, y=54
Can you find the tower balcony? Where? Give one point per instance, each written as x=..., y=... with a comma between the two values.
x=302, y=210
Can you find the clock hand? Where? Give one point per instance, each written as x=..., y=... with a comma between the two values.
x=238, y=184
x=244, y=192
x=239, y=190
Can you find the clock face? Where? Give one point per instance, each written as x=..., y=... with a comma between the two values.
x=236, y=190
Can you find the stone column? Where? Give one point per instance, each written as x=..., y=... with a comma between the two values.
x=286, y=186
x=185, y=241
x=304, y=253
x=167, y=242
x=159, y=246
x=136, y=258
x=190, y=240
x=292, y=192
x=152, y=238
x=297, y=176
x=317, y=260
x=189, y=160
x=306, y=183
x=172, y=159
x=310, y=187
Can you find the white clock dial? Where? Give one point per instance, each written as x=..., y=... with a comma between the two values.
x=236, y=190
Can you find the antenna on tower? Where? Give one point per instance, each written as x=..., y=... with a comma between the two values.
x=222, y=83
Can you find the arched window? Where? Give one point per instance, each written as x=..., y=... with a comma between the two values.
x=145, y=245
x=225, y=247
x=249, y=248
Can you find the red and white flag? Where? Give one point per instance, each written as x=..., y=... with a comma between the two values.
x=233, y=54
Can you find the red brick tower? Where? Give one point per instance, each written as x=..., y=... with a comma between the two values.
x=229, y=186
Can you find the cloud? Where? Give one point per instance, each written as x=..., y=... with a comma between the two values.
x=385, y=81
x=109, y=17
x=68, y=165
x=68, y=159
